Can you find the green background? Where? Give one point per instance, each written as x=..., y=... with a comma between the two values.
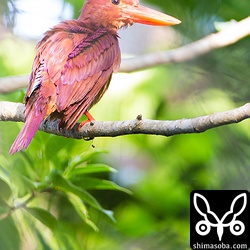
x=57, y=193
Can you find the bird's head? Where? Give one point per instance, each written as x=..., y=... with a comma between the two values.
x=116, y=14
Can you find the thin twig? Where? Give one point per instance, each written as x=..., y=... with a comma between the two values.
x=25, y=203
x=17, y=206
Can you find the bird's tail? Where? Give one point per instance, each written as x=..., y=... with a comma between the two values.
x=28, y=131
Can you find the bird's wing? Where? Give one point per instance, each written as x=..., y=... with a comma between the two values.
x=52, y=52
x=88, y=69
x=79, y=63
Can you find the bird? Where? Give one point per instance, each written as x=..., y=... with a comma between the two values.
x=75, y=61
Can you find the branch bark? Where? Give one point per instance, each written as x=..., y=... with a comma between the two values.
x=235, y=32
x=15, y=112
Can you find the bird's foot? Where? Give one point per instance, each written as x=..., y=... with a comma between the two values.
x=90, y=119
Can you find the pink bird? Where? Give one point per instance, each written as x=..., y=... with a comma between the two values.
x=75, y=61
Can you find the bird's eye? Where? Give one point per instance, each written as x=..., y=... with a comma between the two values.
x=115, y=2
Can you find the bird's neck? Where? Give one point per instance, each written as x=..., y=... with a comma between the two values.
x=94, y=19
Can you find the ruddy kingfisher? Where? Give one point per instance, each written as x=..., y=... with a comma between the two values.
x=75, y=61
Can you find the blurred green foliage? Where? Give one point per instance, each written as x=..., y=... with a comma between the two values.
x=57, y=193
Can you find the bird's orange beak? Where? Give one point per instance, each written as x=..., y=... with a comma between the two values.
x=145, y=15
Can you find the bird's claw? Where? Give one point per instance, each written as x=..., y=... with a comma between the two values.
x=90, y=120
x=83, y=123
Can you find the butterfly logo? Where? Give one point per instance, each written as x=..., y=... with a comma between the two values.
x=210, y=219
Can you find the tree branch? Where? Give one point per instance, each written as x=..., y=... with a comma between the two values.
x=230, y=35
x=12, y=83
x=14, y=112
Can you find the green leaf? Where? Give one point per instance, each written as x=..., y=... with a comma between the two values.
x=9, y=235
x=99, y=184
x=21, y=185
x=5, y=189
x=92, y=168
x=4, y=161
x=4, y=208
x=68, y=187
x=81, y=210
x=5, y=175
x=65, y=185
x=43, y=216
x=88, y=156
x=80, y=160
